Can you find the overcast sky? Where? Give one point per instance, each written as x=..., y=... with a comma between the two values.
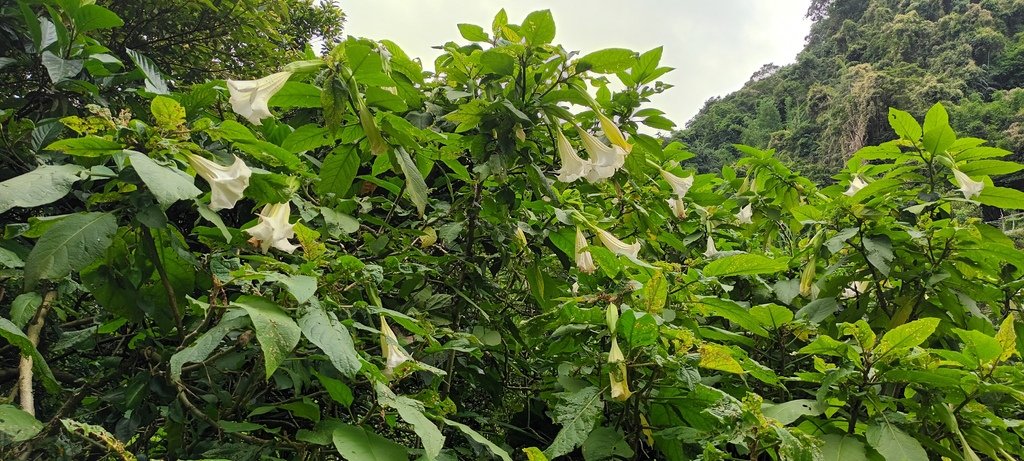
x=714, y=45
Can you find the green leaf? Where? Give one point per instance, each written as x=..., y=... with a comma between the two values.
x=92, y=17
x=478, y=438
x=473, y=33
x=905, y=336
x=787, y=413
x=411, y=411
x=894, y=444
x=904, y=125
x=990, y=167
x=213, y=217
x=155, y=82
x=24, y=307
x=301, y=287
x=69, y=245
x=937, y=117
x=40, y=186
x=338, y=171
x=206, y=343
x=879, y=249
x=324, y=330
x=578, y=412
x=844, y=447
x=271, y=187
x=606, y=443
x=13, y=335
x=18, y=425
x=414, y=183
x=744, y=264
x=771, y=316
x=358, y=444
x=89, y=146
x=655, y=293
x=277, y=332
x=939, y=139
x=496, y=62
x=734, y=313
x=609, y=60
x=168, y=113
x=977, y=345
x=1007, y=338
x=718, y=357
x=167, y=184
x=296, y=95
x=1001, y=197
x=538, y=28
x=338, y=390
x=60, y=69
x=639, y=329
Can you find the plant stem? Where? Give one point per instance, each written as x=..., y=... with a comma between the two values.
x=149, y=246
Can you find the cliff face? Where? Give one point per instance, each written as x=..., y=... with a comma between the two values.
x=864, y=56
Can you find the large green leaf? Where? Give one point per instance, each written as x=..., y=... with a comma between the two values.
x=609, y=60
x=539, y=28
x=414, y=183
x=905, y=336
x=307, y=137
x=904, y=125
x=17, y=425
x=578, y=413
x=69, y=245
x=894, y=444
x=338, y=171
x=155, y=82
x=92, y=17
x=40, y=186
x=411, y=411
x=479, y=438
x=13, y=335
x=277, y=332
x=167, y=184
x=324, y=330
x=88, y=146
x=1001, y=197
x=843, y=448
x=359, y=444
x=60, y=69
x=744, y=264
x=296, y=95
x=206, y=343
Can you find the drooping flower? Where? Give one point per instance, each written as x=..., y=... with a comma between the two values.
x=605, y=160
x=612, y=132
x=856, y=288
x=227, y=183
x=969, y=187
x=249, y=97
x=584, y=260
x=573, y=167
x=680, y=186
x=745, y=214
x=678, y=207
x=618, y=246
x=856, y=184
x=273, y=229
x=611, y=317
x=711, y=250
x=617, y=375
x=394, y=354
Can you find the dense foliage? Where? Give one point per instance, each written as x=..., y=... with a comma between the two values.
x=351, y=258
x=864, y=56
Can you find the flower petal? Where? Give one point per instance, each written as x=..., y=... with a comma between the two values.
x=612, y=132
x=618, y=246
x=573, y=167
x=227, y=183
x=249, y=97
x=680, y=186
x=969, y=187
x=584, y=260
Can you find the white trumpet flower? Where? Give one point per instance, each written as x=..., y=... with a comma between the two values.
x=856, y=184
x=605, y=160
x=273, y=229
x=678, y=207
x=394, y=354
x=617, y=375
x=612, y=132
x=745, y=215
x=227, y=183
x=969, y=187
x=618, y=246
x=711, y=250
x=680, y=186
x=584, y=260
x=249, y=97
x=573, y=167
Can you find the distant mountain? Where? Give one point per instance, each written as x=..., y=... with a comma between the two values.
x=862, y=57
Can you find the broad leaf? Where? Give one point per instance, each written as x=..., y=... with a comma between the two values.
x=843, y=447
x=414, y=183
x=894, y=444
x=206, y=343
x=88, y=146
x=167, y=184
x=338, y=171
x=411, y=412
x=69, y=245
x=609, y=60
x=905, y=336
x=16, y=338
x=744, y=264
x=359, y=444
x=478, y=438
x=578, y=413
x=326, y=332
x=277, y=332
x=40, y=186
x=17, y=425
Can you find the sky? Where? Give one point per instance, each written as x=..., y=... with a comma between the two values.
x=714, y=46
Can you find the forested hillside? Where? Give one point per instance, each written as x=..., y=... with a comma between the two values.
x=862, y=57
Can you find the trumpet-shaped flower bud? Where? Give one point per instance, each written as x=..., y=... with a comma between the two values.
x=617, y=375
x=618, y=246
x=273, y=229
x=611, y=318
x=614, y=135
x=856, y=184
x=573, y=167
x=711, y=250
x=969, y=187
x=584, y=260
x=680, y=186
x=394, y=354
x=678, y=207
x=605, y=160
x=227, y=183
x=249, y=97
x=745, y=214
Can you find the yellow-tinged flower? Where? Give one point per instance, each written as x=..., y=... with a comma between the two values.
x=617, y=375
x=711, y=250
x=573, y=167
x=969, y=187
x=273, y=229
x=745, y=214
x=394, y=354
x=618, y=246
x=227, y=183
x=611, y=317
x=605, y=160
x=249, y=97
x=680, y=186
x=584, y=260
x=612, y=132
x=678, y=207
x=856, y=184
